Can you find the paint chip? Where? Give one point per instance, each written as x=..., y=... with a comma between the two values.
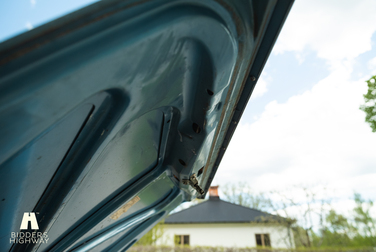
x=125, y=208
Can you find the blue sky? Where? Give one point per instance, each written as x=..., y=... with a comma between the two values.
x=302, y=125
x=22, y=15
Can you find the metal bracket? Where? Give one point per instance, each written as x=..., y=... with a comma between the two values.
x=192, y=181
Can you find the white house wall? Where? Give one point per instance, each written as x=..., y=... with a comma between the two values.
x=226, y=235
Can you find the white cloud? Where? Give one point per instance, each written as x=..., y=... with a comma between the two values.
x=29, y=26
x=261, y=86
x=372, y=66
x=317, y=137
x=33, y=2
x=335, y=29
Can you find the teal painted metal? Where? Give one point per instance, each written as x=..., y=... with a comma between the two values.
x=107, y=111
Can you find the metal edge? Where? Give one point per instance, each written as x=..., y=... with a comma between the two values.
x=275, y=25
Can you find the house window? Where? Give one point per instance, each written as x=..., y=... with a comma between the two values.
x=182, y=240
x=263, y=240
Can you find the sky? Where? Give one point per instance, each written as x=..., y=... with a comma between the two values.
x=302, y=126
x=18, y=16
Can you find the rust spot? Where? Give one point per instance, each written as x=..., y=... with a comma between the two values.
x=124, y=208
x=176, y=178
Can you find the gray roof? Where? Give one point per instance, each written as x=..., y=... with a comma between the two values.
x=215, y=210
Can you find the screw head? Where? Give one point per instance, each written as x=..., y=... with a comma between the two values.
x=253, y=78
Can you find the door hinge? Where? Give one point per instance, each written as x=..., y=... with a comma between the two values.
x=192, y=181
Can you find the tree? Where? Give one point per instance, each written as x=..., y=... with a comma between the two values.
x=310, y=215
x=337, y=222
x=242, y=194
x=370, y=103
x=308, y=207
x=336, y=233
x=299, y=207
x=365, y=224
x=153, y=235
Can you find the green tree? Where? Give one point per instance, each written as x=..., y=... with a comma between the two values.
x=358, y=230
x=370, y=103
x=337, y=222
x=153, y=235
x=336, y=233
x=365, y=224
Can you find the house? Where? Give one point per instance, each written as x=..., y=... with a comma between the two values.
x=219, y=223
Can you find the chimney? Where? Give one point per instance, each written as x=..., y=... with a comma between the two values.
x=213, y=193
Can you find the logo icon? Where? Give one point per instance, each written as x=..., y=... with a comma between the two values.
x=24, y=237
x=29, y=217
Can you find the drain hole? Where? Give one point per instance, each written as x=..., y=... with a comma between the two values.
x=209, y=92
x=200, y=171
x=196, y=128
x=182, y=162
x=168, y=121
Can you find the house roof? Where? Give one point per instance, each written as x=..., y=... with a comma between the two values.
x=216, y=210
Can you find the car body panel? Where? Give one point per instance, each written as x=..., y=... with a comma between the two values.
x=110, y=110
